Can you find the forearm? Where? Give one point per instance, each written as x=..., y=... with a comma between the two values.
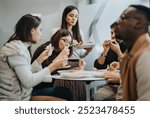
x=39, y=60
x=100, y=66
x=102, y=57
x=120, y=55
x=23, y=71
x=52, y=67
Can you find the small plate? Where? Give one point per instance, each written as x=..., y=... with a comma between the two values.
x=77, y=74
x=75, y=78
x=97, y=73
x=66, y=71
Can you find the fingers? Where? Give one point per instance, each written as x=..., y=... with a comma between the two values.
x=67, y=66
x=111, y=69
x=65, y=51
x=114, y=65
x=63, y=54
x=43, y=56
x=109, y=75
x=62, y=63
x=75, y=42
x=114, y=43
x=82, y=62
x=106, y=45
x=50, y=49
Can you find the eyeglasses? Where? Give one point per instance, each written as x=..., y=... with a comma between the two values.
x=67, y=42
x=123, y=17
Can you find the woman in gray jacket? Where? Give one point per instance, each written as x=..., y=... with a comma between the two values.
x=17, y=75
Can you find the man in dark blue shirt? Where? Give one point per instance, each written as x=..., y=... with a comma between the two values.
x=108, y=91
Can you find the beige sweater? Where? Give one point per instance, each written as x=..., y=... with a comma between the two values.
x=134, y=79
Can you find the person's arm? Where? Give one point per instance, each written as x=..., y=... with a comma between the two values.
x=45, y=54
x=102, y=61
x=116, y=48
x=103, y=55
x=39, y=50
x=22, y=68
x=143, y=76
x=81, y=65
x=35, y=67
x=112, y=77
x=110, y=57
x=99, y=66
x=85, y=51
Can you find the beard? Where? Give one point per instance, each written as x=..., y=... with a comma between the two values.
x=118, y=37
x=119, y=40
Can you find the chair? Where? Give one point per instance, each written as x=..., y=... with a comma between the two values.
x=45, y=98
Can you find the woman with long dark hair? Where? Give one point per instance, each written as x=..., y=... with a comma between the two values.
x=62, y=43
x=17, y=75
x=70, y=22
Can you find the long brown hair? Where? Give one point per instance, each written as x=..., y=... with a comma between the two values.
x=75, y=29
x=23, y=28
x=56, y=38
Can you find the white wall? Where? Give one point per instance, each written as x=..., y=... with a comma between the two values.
x=109, y=11
x=51, y=10
x=12, y=10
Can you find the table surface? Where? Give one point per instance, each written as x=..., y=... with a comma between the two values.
x=78, y=78
x=91, y=76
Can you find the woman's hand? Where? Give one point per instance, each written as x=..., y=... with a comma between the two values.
x=82, y=63
x=50, y=49
x=45, y=54
x=59, y=63
x=63, y=54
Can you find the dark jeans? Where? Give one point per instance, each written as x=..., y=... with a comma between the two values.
x=60, y=92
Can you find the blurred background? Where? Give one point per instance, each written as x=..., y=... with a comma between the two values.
x=95, y=18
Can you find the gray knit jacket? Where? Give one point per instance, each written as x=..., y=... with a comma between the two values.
x=16, y=74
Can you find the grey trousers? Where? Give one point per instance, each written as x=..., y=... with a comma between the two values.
x=105, y=93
